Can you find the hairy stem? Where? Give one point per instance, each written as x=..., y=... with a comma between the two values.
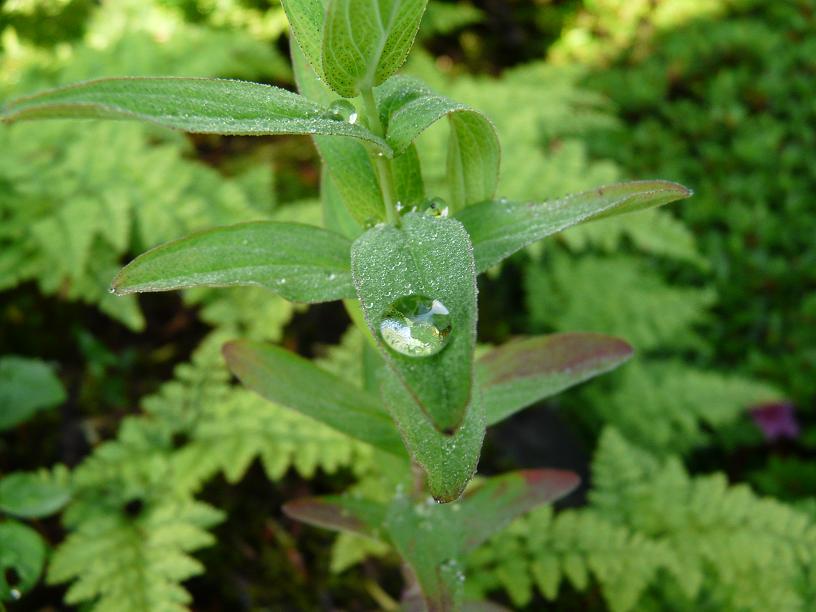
x=381, y=164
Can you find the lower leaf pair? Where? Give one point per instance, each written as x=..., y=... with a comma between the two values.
x=432, y=539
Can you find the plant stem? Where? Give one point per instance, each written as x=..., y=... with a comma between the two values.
x=381, y=163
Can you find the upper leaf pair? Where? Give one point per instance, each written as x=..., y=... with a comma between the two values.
x=212, y=106
x=407, y=108
x=355, y=45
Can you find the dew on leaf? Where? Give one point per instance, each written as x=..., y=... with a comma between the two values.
x=416, y=325
x=436, y=207
x=342, y=110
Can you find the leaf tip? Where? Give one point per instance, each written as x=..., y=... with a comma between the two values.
x=230, y=351
x=323, y=513
x=559, y=483
x=118, y=286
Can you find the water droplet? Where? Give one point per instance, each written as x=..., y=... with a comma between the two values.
x=341, y=110
x=436, y=207
x=399, y=206
x=331, y=276
x=15, y=594
x=416, y=326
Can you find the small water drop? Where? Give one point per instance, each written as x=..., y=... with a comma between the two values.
x=15, y=594
x=416, y=325
x=281, y=281
x=331, y=276
x=399, y=206
x=341, y=110
x=436, y=207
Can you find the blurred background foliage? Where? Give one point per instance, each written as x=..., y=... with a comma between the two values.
x=120, y=412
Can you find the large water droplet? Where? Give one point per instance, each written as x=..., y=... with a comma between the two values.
x=342, y=110
x=416, y=326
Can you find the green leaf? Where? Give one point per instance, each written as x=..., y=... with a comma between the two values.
x=294, y=382
x=339, y=513
x=408, y=108
x=431, y=257
x=449, y=461
x=408, y=182
x=366, y=41
x=499, y=229
x=32, y=494
x=336, y=216
x=306, y=24
x=493, y=504
x=432, y=538
x=207, y=106
x=26, y=386
x=523, y=372
x=428, y=539
x=348, y=161
x=22, y=555
x=354, y=176
x=474, y=155
x=302, y=263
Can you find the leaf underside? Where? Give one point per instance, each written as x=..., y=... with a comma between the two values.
x=525, y=371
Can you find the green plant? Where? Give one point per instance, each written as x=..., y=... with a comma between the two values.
x=654, y=537
x=709, y=93
x=26, y=387
x=405, y=263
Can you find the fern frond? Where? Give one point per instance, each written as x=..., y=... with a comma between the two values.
x=122, y=563
x=653, y=231
x=70, y=211
x=542, y=550
x=668, y=406
x=615, y=295
x=227, y=427
x=651, y=526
